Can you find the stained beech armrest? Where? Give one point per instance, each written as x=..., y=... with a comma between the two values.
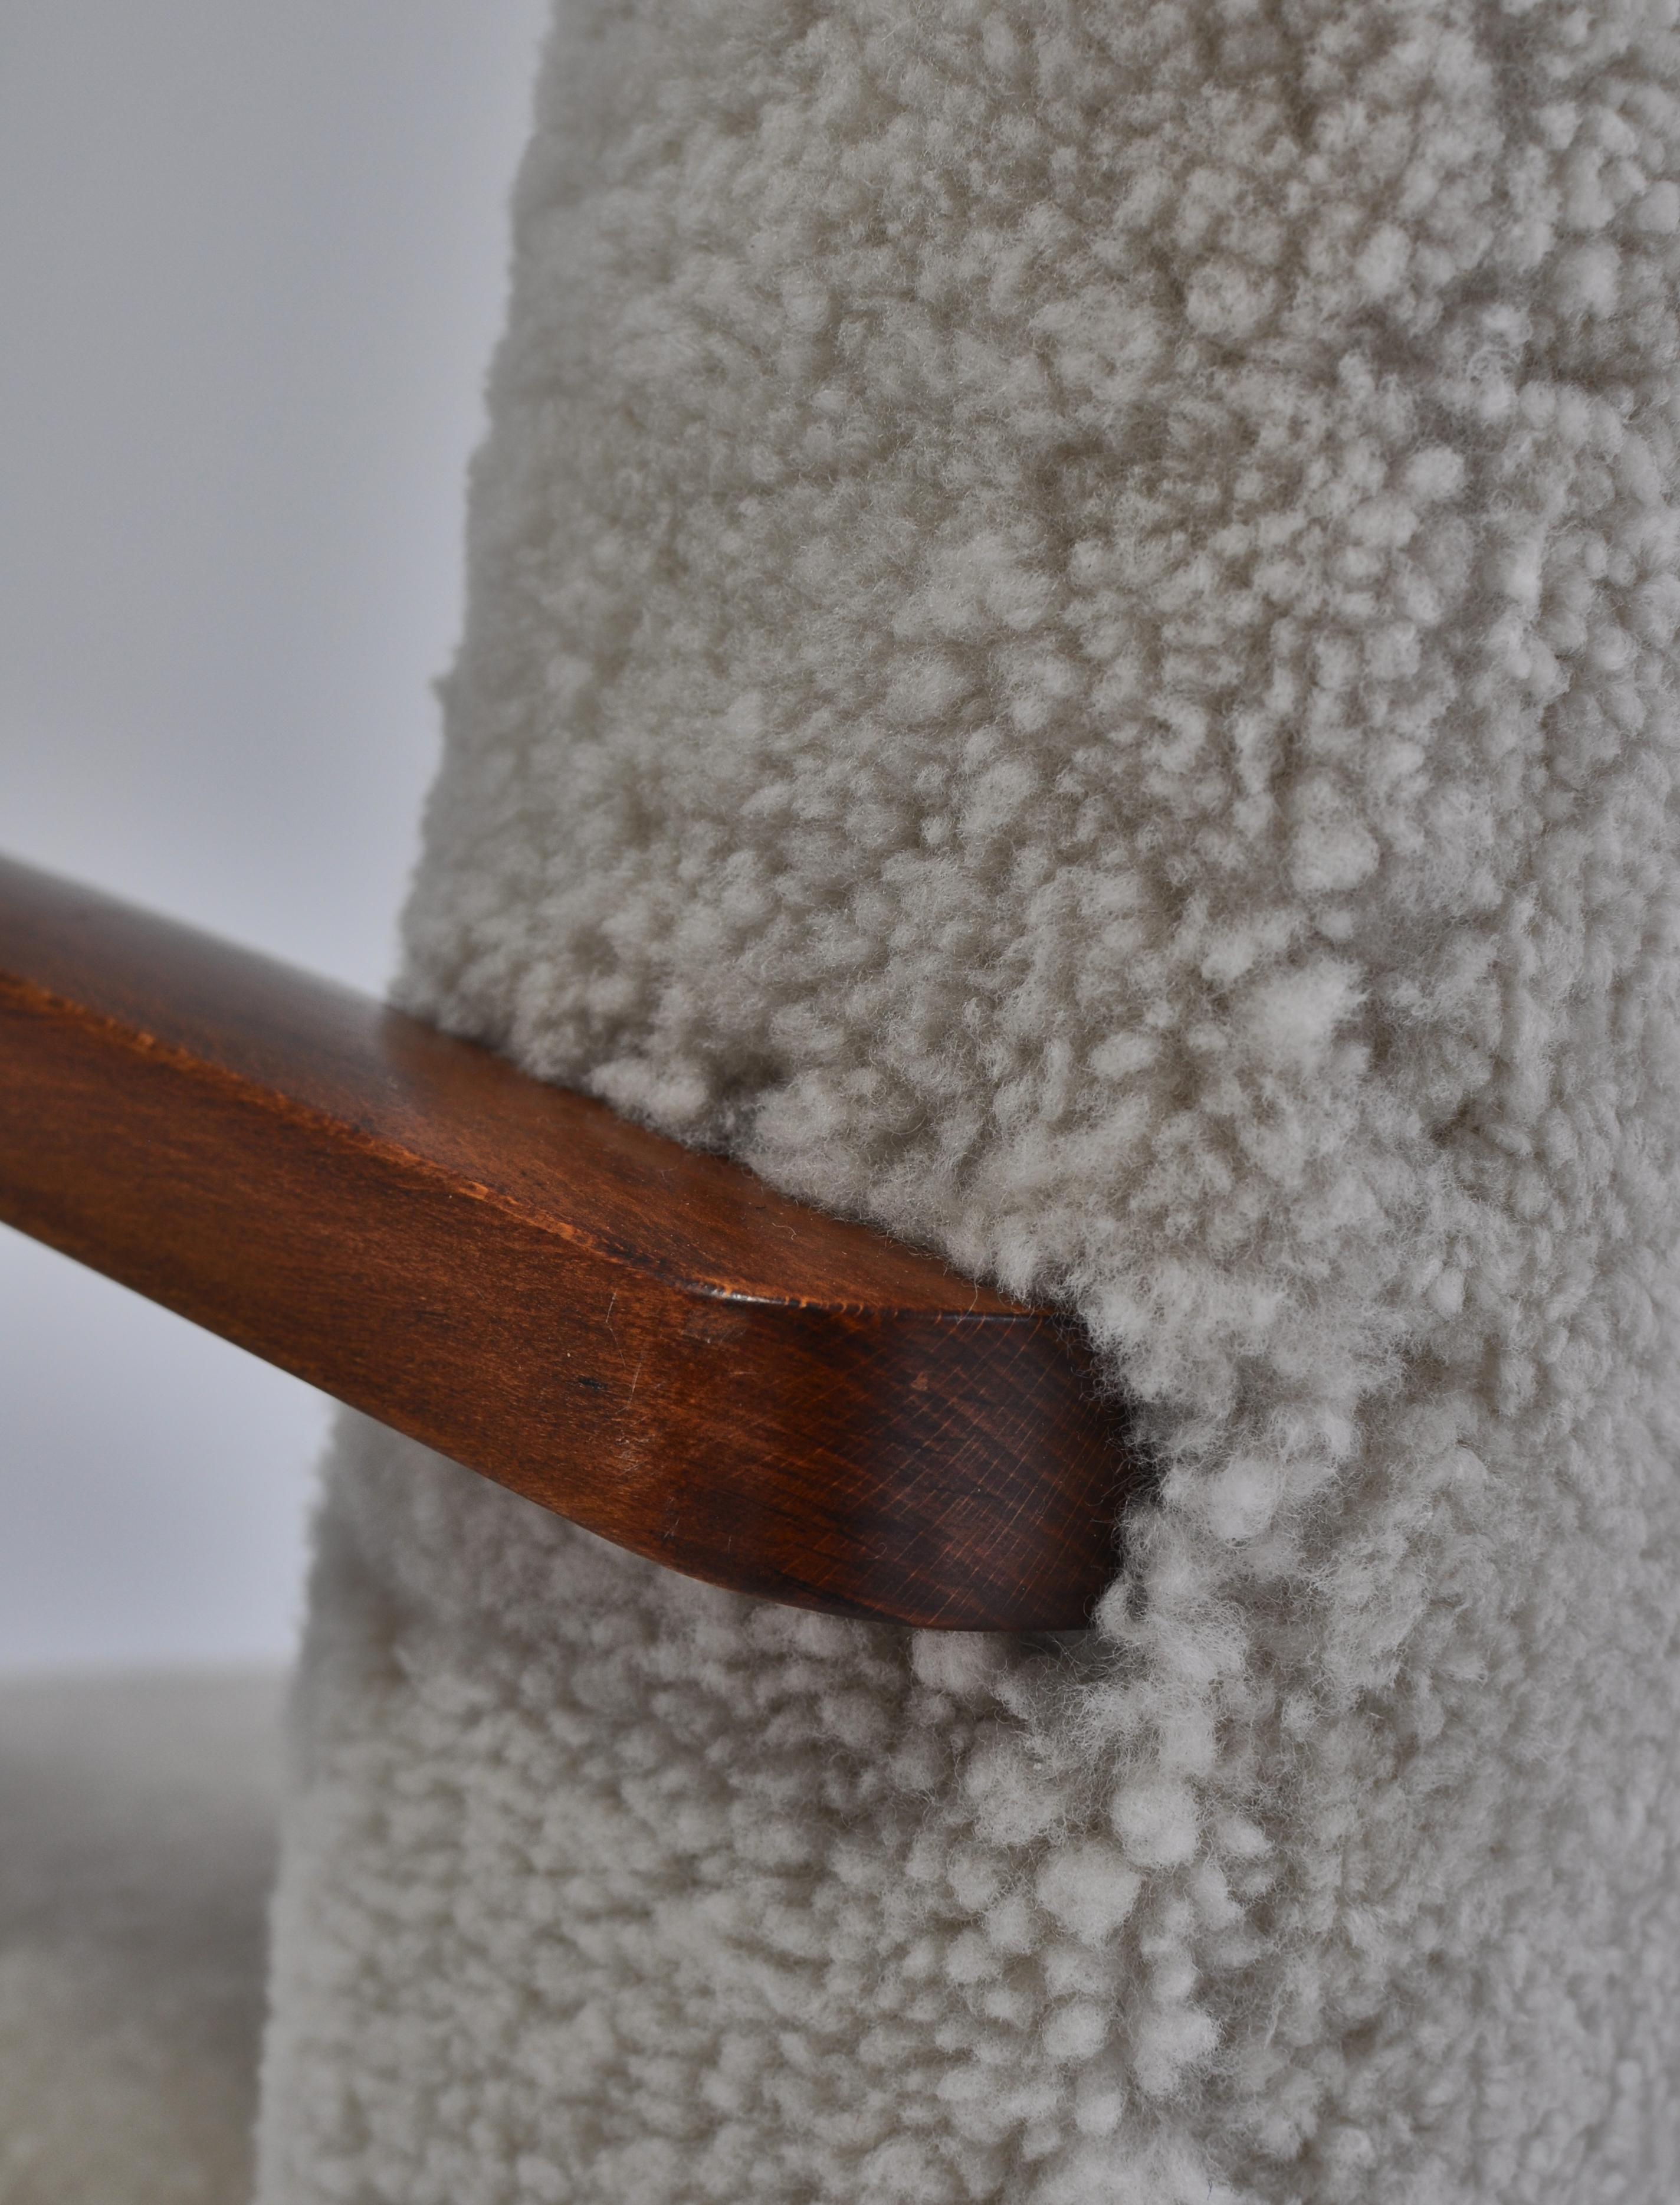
x=649, y=1341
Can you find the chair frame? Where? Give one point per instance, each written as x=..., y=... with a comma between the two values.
x=645, y=1338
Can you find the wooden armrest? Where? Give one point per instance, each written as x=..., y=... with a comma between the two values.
x=648, y=1340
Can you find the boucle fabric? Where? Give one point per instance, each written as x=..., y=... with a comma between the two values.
x=1069, y=650
x=137, y=1838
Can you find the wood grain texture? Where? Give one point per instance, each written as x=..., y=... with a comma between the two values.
x=647, y=1340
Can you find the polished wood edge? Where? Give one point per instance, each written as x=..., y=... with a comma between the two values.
x=561, y=1154
x=643, y=1338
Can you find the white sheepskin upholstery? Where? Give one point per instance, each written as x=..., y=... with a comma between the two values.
x=1071, y=649
x=137, y=1841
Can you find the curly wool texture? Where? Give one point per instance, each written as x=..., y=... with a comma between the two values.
x=1071, y=649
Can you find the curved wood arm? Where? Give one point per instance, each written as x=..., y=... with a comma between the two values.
x=649, y=1341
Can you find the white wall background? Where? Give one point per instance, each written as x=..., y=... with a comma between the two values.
x=251, y=265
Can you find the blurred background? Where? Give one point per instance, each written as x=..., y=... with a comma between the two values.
x=253, y=262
